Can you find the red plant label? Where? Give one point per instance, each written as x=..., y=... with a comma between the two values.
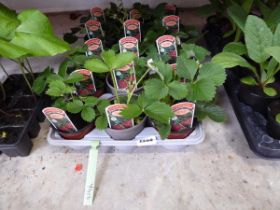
x=166, y=45
x=94, y=29
x=135, y=14
x=183, y=116
x=95, y=46
x=115, y=120
x=132, y=28
x=59, y=119
x=171, y=23
x=97, y=14
x=129, y=44
x=125, y=77
x=86, y=87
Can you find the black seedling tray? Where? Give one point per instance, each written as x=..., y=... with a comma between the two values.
x=252, y=123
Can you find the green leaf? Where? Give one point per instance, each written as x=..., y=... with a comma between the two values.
x=155, y=88
x=60, y=103
x=213, y=72
x=202, y=90
x=40, y=45
x=8, y=23
x=247, y=5
x=213, y=111
x=159, y=111
x=237, y=48
x=91, y=101
x=56, y=88
x=73, y=78
x=270, y=91
x=101, y=122
x=53, y=77
x=248, y=81
x=277, y=118
x=193, y=50
x=62, y=70
x=276, y=36
x=186, y=68
x=143, y=101
x=274, y=18
x=274, y=52
x=75, y=106
x=88, y=114
x=123, y=59
x=164, y=130
x=108, y=57
x=265, y=10
x=102, y=105
x=96, y=65
x=39, y=84
x=132, y=111
x=238, y=15
x=10, y=50
x=165, y=70
x=257, y=37
x=230, y=60
x=177, y=90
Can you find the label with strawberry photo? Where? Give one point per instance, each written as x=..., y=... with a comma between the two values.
x=183, y=116
x=115, y=120
x=166, y=45
x=132, y=28
x=94, y=29
x=135, y=14
x=171, y=23
x=170, y=9
x=173, y=66
x=95, y=46
x=59, y=119
x=97, y=14
x=125, y=77
x=129, y=44
x=86, y=87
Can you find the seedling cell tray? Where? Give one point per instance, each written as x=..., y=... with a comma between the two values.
x=252, y=123
x=196, y=137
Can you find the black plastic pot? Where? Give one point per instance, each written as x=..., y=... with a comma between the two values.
x=252, y=123
x=17, y=143
x=273, y=127
x=256, y=98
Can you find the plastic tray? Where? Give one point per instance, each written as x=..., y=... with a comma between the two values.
x=196, y=137
x=252, y=123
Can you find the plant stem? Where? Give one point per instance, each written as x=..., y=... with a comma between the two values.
x=237, y=35
x=130, y=94
x=115, y=86
x=24, y=76
x=3, y=91
x=5, y=113
x=3, y=69
x=30, y=68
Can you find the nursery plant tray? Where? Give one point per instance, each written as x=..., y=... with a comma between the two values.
x=252, y=123
x=196, y=137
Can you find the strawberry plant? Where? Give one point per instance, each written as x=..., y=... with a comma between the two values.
x=262, y=48
x=64, y=92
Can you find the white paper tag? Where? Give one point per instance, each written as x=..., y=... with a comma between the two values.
x=148, y=141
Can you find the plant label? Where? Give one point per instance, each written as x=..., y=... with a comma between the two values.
x=132, y=28
x=95, y=46
x=148, y=141
x=125, y=77
x=97, y=14
x=135, y=14
x=59, y=119
x=86, y=87
x=114, y=118
x=170, y=9
x=166, y=45
x=129, y=44
x=183, y=116
x=94, y=29
x=171, y=23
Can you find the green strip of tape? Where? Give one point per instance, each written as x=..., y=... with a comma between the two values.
x=91, y=173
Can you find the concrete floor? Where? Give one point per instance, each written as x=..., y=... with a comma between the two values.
x=221, y=173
